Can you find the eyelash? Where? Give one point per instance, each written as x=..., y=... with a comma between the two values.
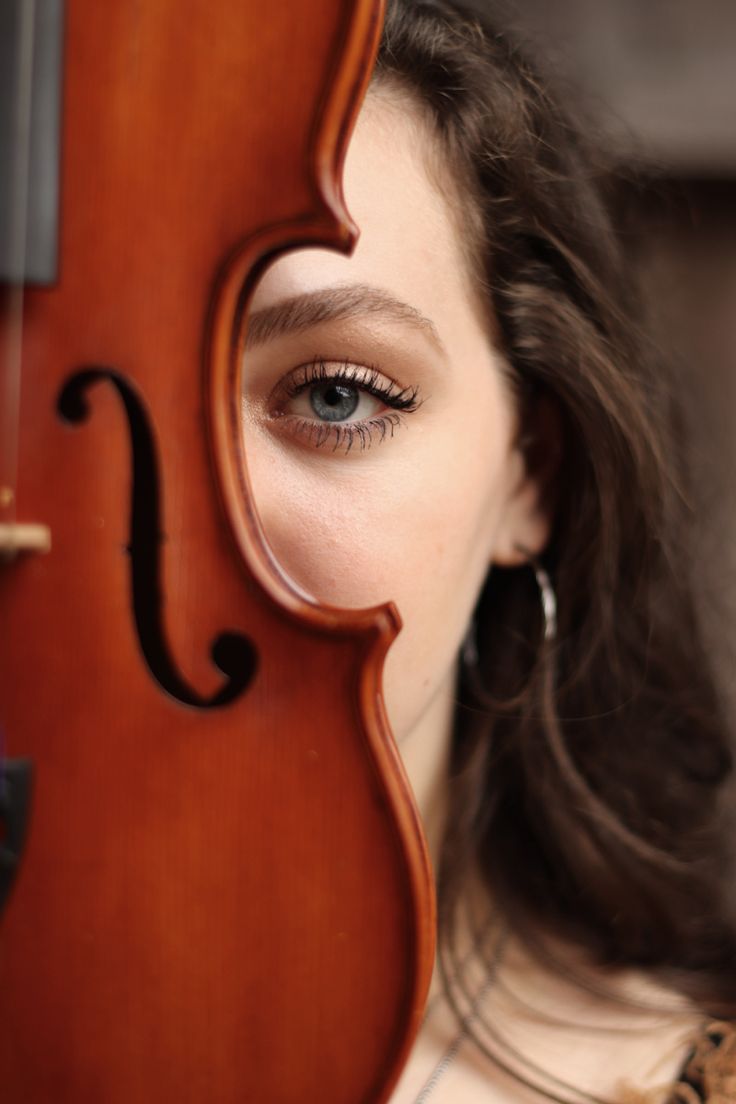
x=366, y=378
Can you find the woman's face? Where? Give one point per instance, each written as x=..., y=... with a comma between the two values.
x=380, y=431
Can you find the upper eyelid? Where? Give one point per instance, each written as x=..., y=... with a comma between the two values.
x=345, y=367
x=368, y=376
x=317, y=369
x=376, y=383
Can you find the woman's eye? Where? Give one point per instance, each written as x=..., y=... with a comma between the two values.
x=334, y=401
x=341, y=404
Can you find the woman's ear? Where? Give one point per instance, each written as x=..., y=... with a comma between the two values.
x=534, y=466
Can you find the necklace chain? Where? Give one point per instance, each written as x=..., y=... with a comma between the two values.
x=451, y=1053
x=466, y=1023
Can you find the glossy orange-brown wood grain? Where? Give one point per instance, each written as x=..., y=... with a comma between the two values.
x=216, y=903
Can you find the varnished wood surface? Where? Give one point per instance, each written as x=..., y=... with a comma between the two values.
x=227, y=904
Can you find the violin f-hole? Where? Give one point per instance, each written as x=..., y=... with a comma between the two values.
x=232, y=652
x=15, y=803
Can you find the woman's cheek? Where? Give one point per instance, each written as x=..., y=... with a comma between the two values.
x=328, y=537
x=415, y=531
x=412, y=524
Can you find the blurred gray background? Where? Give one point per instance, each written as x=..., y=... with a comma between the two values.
x=663, y=72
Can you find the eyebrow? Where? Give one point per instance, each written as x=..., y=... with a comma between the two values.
x=301, y=312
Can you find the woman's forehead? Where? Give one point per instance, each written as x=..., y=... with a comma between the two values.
x=408, y=245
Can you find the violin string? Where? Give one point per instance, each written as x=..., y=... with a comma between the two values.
x=17, y=257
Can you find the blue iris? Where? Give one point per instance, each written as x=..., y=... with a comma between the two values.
x=333, y=402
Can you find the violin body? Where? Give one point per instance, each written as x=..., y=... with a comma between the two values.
x=223, y=892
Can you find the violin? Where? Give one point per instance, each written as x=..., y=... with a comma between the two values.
x=214, y=884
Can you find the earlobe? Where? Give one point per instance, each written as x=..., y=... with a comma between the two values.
x=526, y=526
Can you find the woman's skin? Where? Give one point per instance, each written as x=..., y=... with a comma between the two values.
x=416, y=512
x=412, y=505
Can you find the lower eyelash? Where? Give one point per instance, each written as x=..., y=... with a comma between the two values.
x=347, y=433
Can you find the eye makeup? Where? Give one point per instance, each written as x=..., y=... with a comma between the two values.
x=339, y=404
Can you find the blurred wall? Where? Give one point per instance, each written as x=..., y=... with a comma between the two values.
x=662, y=70
x=687, y=248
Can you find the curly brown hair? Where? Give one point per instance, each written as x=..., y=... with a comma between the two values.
x=587, y=770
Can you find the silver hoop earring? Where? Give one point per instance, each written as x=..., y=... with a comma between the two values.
x=546, y=590
x=469, y=650
x=549, y=600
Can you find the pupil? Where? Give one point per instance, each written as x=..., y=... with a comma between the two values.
x=334, y=402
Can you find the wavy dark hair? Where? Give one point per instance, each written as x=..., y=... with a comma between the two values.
x=587, y=770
